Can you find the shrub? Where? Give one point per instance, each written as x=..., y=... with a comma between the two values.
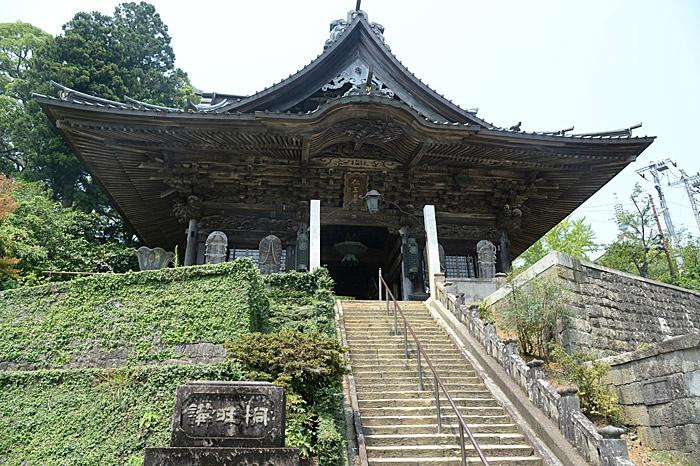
x=304, y=363
x=579, y=369
x=534, y=312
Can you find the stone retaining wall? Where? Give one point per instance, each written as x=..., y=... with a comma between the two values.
x=600, y=447
x=659, y=388
x=612, y=312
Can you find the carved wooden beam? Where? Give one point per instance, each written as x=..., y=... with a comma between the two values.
x=418, y=155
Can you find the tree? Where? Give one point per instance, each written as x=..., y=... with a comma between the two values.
x=44, y=236
x=638, y=243
x=572, y=237
x=128, y=53
x=8, y=205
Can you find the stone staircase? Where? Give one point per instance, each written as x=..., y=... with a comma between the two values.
x=398, y=420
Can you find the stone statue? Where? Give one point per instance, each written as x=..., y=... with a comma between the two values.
x=216, y=248
x=411, y=258
x=270, y=254
x=443, y=260
x=302, y=248
x=153, y=259
x=486, y=258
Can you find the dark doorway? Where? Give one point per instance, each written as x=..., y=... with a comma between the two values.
x=355, y=275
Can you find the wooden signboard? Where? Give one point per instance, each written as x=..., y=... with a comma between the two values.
x=355, y=188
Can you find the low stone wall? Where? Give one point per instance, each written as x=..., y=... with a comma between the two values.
x=473, y=289
x=600, y=447
x=612, y=312
x=659, y=388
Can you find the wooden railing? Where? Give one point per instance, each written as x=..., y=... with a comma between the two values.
x=439, y=385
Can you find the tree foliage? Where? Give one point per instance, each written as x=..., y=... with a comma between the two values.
x=128, y=53
x=572, y=237
x=8, y=272
x=43, y=236
x=638, y=246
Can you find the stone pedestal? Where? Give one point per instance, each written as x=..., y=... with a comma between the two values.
x=226, y=423
x=183, y=456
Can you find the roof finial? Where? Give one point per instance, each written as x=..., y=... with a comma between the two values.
x=357, y=5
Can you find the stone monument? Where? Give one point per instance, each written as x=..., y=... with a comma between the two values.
x=270, y=249
x=303, y=248
x=226, y=423
x=215, y=247
x=486, y=258
x=153, y=259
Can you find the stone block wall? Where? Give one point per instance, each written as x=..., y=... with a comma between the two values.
x=600, y=447
x=612, y=312
x=659, y=389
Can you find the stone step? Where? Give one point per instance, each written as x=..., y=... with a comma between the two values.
x=453, y=461
x=420, y=451
x=399, y=351
x=440, y=365
x=482, y=438
x=400, y=372
x=407, y=429
x=431, y=419
x=415, y=402
x=366, y=387
x=446, y=410
x=363, y=382
x=474, y=391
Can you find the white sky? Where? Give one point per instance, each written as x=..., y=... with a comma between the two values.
x=595, y=64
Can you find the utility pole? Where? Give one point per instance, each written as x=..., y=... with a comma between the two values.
x=655, y=169
x=662, y=237
x=692, y=188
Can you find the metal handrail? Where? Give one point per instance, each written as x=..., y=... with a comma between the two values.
x=439, y=384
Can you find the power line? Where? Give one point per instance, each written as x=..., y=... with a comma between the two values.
x=692, y=189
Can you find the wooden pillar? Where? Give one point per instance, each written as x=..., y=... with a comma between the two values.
x=431, y=245
x=504, y=256
x=191, y=248
x=315, y=236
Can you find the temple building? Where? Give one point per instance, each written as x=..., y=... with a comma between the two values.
x=335, y=166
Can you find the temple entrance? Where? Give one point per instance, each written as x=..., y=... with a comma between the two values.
x=353, y=256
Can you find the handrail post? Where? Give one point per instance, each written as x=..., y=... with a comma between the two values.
x=396, y=328
x=405, y=340
x=420, y=373
x=379, y=282
x=461, y=445
x=386, y=296
x=437, y=403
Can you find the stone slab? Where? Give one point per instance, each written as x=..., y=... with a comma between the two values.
x=228, y=414
x=179, y=456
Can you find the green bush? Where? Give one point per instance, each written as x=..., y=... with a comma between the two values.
x=310, y=367
x=533, y=312
x=579, y=369
x=92, y=416
x=304, y=363
x=144, y=312
x=301, y=301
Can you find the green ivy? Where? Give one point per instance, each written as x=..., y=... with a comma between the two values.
x=301, y=301
x=92, y=416
x=146, y=313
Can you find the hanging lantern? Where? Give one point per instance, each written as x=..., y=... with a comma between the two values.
x=372, y=201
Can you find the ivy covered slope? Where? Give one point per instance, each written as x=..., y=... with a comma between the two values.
x=145, y=313
x=92, y=416
x=108, y=416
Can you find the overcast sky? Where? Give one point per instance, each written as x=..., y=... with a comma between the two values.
x=598, y=65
